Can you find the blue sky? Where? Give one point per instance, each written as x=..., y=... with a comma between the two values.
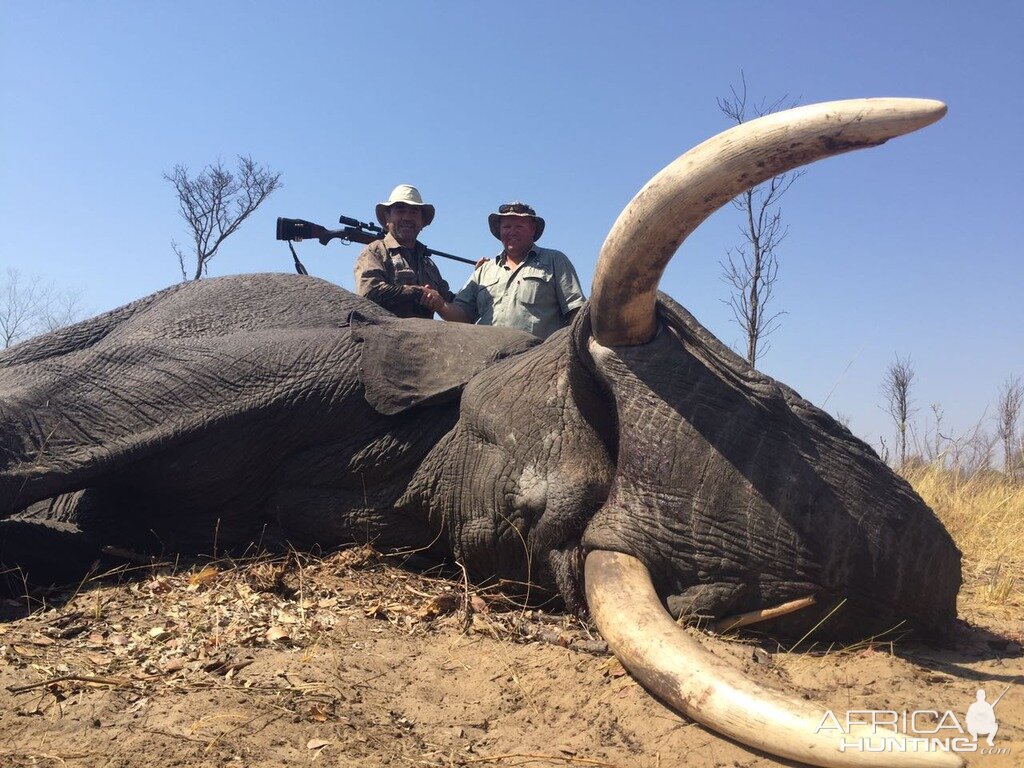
x=912, y=248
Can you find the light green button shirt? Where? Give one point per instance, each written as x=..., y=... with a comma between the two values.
x=537, y=296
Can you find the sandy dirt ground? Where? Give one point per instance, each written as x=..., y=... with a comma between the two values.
x=350, y=661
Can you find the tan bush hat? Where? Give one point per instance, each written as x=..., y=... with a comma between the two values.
x=514, y=209
x=408, y=194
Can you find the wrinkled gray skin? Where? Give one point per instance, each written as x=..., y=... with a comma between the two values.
x=246, y=409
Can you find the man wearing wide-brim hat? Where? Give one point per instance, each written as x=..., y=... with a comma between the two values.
x=528, y=287
x=397, y=272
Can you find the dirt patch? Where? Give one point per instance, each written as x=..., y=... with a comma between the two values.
x=350, y=661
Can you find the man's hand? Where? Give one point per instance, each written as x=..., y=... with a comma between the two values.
x=431, y=299
x=435, y=302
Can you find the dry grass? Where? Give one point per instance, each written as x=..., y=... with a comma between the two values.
x=984, y=513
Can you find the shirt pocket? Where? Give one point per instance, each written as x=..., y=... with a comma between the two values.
x=403, y=272
x=535, y=289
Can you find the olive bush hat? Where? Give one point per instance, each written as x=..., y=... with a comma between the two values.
x=408, y=194
x=514, y=209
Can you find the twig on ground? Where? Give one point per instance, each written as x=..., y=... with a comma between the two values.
x=116, y=682
x=523, y=756
x=47, y=756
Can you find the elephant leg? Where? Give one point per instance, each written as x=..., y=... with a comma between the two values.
x=41, y=553
x=59, y=541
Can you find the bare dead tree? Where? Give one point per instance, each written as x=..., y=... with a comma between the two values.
x=883, y=449
x=752, y=268
x=65, y=309
x=215, y=203
x=896, y=386
x=19, y=306
x=933, y=449
x=1008, y=409
x=971, y=452
x=30, y=305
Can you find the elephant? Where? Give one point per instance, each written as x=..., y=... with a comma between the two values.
x=630, y=466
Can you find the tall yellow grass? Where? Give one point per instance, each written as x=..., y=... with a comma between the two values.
x=984, y=513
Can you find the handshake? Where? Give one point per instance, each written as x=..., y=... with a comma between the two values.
x=429, y=298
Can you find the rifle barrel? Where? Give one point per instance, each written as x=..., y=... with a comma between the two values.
x=378, y=233
x=354, y=231
x=432, y=252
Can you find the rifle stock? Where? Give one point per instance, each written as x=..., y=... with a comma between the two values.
x=300, y=229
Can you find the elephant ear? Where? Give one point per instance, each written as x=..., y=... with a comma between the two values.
x=410, y=362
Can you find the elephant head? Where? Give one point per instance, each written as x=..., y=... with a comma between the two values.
x=638, y=458
x=631, y=464
x=815, y=509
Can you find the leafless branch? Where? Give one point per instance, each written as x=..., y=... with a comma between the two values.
x=752, y=268
x=933, y=446
x=19, y=306
x=31, y=305
x=883, y=449
x=215, y=203
x=1008, y=410
x=64, y=308
x=896, y=386
x=971, y=452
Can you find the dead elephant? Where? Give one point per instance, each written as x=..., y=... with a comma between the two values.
x=631, y=464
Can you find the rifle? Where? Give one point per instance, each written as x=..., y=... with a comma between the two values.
x=354, y=231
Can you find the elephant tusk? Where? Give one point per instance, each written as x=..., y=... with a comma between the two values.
x=764, y=614
x=677, y=669
x=675, y=202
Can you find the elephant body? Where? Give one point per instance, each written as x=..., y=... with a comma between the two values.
x=275, y=410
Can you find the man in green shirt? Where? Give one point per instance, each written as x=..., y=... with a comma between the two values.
x=528, y=287
x=396, y=272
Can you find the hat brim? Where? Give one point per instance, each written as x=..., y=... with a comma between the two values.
x=382, y=209
x=494, y=222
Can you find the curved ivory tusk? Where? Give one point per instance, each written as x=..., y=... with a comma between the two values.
x=672, y=204
x=678, y=670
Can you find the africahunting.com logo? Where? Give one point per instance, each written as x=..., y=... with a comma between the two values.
x=920, y=730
